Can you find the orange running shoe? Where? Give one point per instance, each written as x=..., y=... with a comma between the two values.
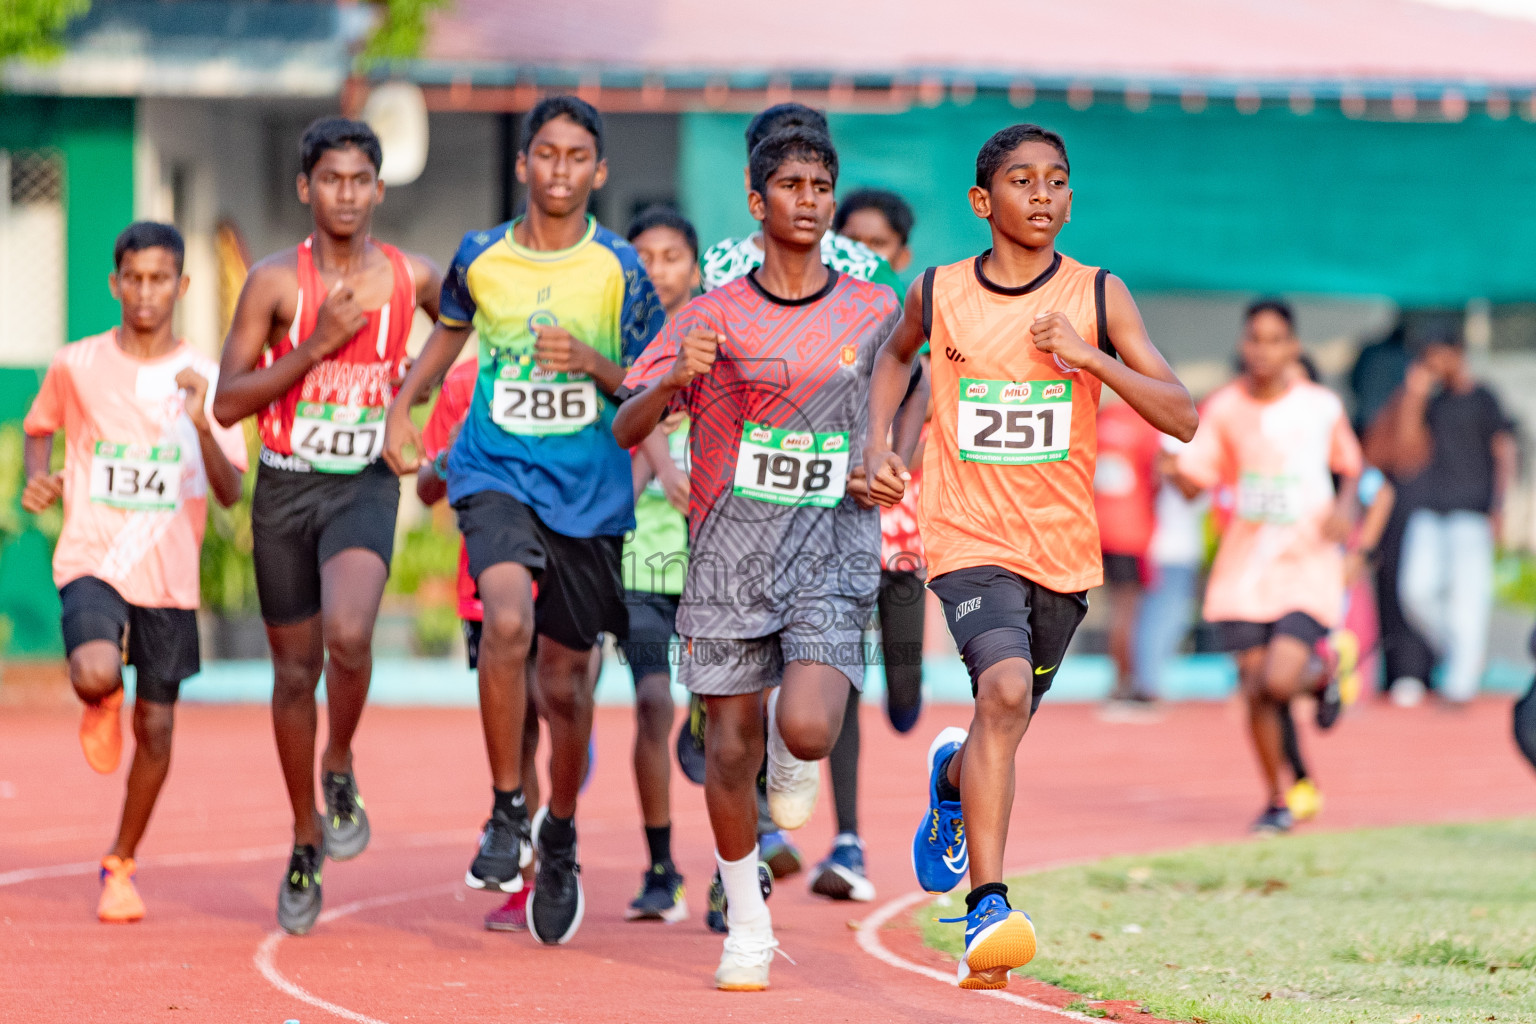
x=120, y=902
x=101, y=733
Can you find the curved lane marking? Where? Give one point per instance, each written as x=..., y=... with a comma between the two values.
x=868, y=937
x=265, y=959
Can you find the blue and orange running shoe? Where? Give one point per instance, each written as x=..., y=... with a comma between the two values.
x=939, y=856
x=998, y=939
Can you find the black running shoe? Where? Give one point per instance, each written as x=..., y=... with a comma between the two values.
x=298, y=898
x=1273, y=822
x=714, y=917
x=661, y=897
x=690, y=742
x=345, y=822
x=556, y=907
x=504, y=851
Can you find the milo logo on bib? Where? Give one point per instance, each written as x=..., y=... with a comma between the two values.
x=1014, y=423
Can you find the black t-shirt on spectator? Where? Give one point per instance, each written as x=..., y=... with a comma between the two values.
x=1459, y=476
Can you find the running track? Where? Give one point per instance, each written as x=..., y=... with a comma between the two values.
x=405, y=943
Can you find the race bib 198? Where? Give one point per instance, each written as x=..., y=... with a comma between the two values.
x=792, y=467
x=1014, y=423
x=338, y=438
x=528, y=399
x=137, y=477
x=1268, y=499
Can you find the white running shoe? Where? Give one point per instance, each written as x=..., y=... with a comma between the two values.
x=792, y=783
x=744, y=963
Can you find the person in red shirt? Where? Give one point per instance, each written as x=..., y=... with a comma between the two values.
x=1125, y=498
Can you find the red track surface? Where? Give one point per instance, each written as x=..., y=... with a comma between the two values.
x=210, y=865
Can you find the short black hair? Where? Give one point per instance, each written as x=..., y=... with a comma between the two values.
x=887, y=203
x=784, y=115
x=1270, y=304
x=148, y=234
x=659, y=216
x=330, y=133
x=996, y=149
x=573, y=107
x=790, y=144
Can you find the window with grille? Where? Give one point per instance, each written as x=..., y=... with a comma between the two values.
x=32, y=273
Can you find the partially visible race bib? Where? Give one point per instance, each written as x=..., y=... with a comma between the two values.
x=1269, y=499
x=338, y=438
x=528, y=399
x=792, y=467
x=1014, y=423
x=137, y=477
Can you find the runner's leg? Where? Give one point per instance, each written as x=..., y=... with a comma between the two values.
x=1004, y=695
x=812, y=700
x=902, y=604
x=351, y=587
x=733, y=750
x=565, y=698
x=152, y=724
x=654, y=712
x=96, y=670
x=506, y=589
x=298, y=654
x=844, y=765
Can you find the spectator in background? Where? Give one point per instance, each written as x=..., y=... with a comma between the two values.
x=1451, y=448
x=1124, y=496
x=880, y=219
x=1173, y=566
x=1376, y=376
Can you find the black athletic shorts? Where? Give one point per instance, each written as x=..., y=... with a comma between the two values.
x=1233, y=635
x=581, y=591
x=299, y=521
x=983, y=598
x=652, y=630
x=162, y=642
x=1122, y=568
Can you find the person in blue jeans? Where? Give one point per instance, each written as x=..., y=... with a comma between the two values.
x=1446, y=439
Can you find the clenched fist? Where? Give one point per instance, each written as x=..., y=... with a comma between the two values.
x=195, y=391
x=339, y=319
x=556, y=349
x=695, y=358
x=42, y=491
x=1054, y=333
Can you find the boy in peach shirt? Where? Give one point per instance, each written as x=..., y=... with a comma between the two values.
x=1277, y=586
x=141, y=455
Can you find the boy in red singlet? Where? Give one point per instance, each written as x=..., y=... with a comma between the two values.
x=316, y=349
x=1007, y=512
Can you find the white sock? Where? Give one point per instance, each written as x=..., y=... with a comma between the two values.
x=746, y=910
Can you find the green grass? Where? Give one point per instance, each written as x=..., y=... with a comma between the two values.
x=1400, y=926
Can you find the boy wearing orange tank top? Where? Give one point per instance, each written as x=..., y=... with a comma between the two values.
x=315, y=352
x=1007, y=509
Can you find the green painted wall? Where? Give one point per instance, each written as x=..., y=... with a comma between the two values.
x=95, y=137
x=1270, y=202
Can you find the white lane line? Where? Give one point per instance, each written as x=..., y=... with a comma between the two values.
x=265, y=959
x=868, y=937
x=242, y=856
